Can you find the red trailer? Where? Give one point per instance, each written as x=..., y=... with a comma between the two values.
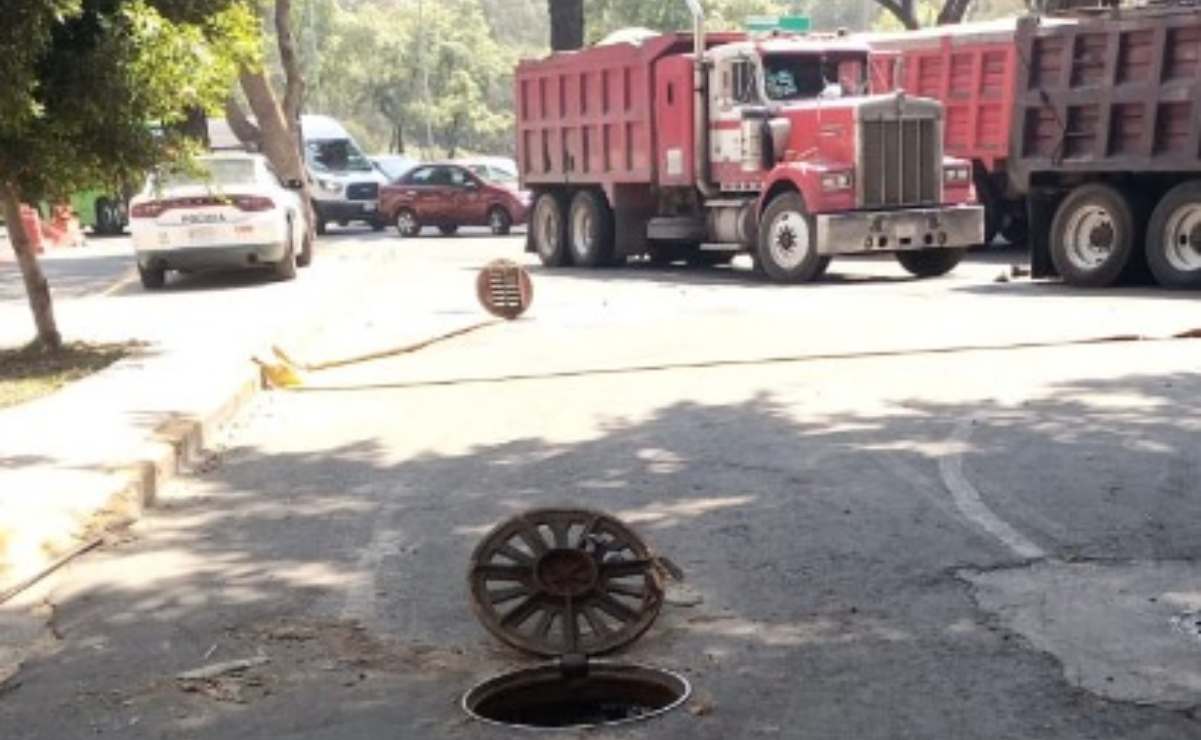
x=698, y=146
x=1088, y=125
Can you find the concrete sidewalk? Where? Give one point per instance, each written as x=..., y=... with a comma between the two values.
x=95, y=453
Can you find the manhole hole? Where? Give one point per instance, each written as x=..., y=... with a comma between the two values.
x=1188, y=624
x=611, y=693
x=504, y=289
x=569, y=584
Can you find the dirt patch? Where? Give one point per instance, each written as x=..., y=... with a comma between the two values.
x=32, y=372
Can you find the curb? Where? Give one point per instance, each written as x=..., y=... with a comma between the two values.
x=174, y=445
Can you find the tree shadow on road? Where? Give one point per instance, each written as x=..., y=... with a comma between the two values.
x=823, y=544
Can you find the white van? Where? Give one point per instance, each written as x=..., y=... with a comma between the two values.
x=345, y=185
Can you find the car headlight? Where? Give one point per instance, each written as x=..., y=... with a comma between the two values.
x=957, y=174
x=835, y=181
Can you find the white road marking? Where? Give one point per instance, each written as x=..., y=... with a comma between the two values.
x=967, y=499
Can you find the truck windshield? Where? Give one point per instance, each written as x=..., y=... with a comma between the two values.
x=336, y=155
x=797, y=76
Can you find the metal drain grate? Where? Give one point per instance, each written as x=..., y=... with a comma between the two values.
x=504, y=289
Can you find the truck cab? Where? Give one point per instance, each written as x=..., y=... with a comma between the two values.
x=345, y=182
x=714, y=143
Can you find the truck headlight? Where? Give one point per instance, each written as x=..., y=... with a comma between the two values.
x=329, y=186
x=835, y=181
x=957, y=174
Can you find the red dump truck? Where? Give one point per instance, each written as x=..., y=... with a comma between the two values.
x=1087, y=128
x=699, y=146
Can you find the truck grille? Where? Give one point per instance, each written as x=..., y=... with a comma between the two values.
x=902, y=162
x=362, y=191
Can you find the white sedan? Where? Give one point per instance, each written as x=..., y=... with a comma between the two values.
x=234, y=211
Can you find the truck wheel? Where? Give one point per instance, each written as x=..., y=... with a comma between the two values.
x=1092, y=236
x=407, y=224
x=787, y=247
x=108, y=217
x=927, y=263
x=499, y=221
x=1174, y=237
x=548, y=228
x=591, y=234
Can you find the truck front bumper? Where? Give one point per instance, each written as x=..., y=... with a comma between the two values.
x=856, y=232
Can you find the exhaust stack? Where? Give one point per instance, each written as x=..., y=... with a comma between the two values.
x=700, y=116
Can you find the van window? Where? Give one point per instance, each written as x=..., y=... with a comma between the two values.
x=335, y=155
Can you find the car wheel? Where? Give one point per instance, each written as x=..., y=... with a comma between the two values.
x=448, y=230
x=406, y=223
x=499, y=221
x=285, y=269
x=305, y=258
x=925, y=263
x=1092, y=236
x=153, y=278
x=548, y=229
x=787, y=246
x=591, y=234
x=1174, y=238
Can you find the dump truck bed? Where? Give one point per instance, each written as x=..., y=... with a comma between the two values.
x=1108, y=94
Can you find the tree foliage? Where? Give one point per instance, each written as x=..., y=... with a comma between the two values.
x=95, y=91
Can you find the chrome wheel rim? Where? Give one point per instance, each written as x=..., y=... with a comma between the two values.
x=1182, y=238
x=498, y=220
x=405, y=223
x=548, y=227
x=1090, y=237
x=581, y=231
x=789, y=240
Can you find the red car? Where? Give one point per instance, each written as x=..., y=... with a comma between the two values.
x=449, y=196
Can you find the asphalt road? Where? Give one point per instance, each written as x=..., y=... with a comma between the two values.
x=926, y=509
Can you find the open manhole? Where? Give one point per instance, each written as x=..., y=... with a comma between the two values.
x=610, y=693
x=569, y=584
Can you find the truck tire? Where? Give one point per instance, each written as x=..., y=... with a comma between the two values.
x=1174, y=238
x=590, y=230
x=108, y=217
x=928, y=263
x=1093, y=236
x=548, y=229
x=787, y=248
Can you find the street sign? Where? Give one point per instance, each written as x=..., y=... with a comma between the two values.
x=785, y=23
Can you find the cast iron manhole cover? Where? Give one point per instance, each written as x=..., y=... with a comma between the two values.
x=504, y=289
x=569, y=584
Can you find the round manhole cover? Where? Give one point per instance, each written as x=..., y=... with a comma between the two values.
x=504, y=289
x=555, y=582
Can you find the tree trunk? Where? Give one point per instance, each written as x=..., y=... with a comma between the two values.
x=566, y=24
x=36, y=286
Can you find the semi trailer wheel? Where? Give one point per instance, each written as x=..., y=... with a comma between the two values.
x=928, y=263
x=591, y=230
x=1093, y=235
x=548, y=229
x=1174, y=237
x=787, y=249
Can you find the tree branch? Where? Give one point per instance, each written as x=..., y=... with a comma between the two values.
x=953, y=11
x=902, y=10
x=243, y=128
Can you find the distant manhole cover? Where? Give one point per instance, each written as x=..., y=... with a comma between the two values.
x=504, y=289
x=569, y=584
x=1188, y=624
